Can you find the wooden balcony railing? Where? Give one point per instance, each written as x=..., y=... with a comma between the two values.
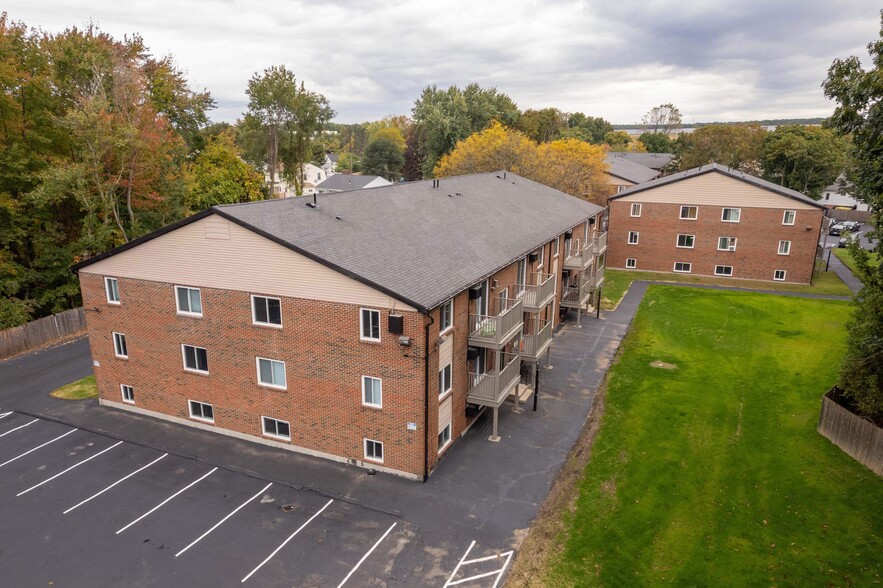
x=492, y=388
x=496, y=330
x=577, y=257
x=599, y=244
x=537, y=295
x=537, y=343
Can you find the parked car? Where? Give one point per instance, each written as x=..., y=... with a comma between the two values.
x=846, y=239
x=851, y=225
x=836, y=229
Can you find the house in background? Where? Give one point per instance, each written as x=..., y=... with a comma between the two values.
x=347, y=182
x=715, y=221
x=837, y=196
x=313, y=176
x=368, y=328
x=661, y=162
x=623, y=173
x=330, y=164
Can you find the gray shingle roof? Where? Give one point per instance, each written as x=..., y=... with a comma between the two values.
x=655, y=161
x=343, y=182
x=727, y=171
x=418, y=243
x=629, y=170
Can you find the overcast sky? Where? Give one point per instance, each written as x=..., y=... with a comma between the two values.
x=720, y=60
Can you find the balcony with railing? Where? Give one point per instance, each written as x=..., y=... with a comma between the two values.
x=492, y=388
x=493, y=331
x=599, y=276
x=538, y=294
x=577, y=257
x=536, y=344
x=577, y=296
x=599, y=244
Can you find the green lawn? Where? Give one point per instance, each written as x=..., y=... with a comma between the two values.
x=712, y=473
x=79, y=390
x=846, y=257
x=616, y=282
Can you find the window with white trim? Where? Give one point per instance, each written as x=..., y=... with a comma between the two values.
x=686, y=241
x=784, y=247
x=202, y=411
x=373, y=450
x=631, y=263
x=723, y=270
x=541, y=256
x=557, y=246
x=636, y=209
x=788, y=217
x=271, y=372
x=689, y=212
x=779, y=275
x=444, y=380
x=683, y=267
x=726, y=243
x=620, y=189
x=633, y=237
x=188, y=300
x=128, y=393
x=731, y=215
x=276, y=428
x=372, y=391
x=444, y=437
x=369, y=324
x=266, y=311
x=446, y=316
x=195, y=359
x=112, y=289
x=119, y=346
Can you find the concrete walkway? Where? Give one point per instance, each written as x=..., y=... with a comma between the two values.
x=839, y=268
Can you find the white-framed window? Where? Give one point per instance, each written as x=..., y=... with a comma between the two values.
x=266, y=311
x=202, y=411
x=686, y=241
x=723, y=270
x=119, y=346
x=689, y=212
x=276, y=428
x=788, y=217
x=444, y=380
x=372, y=391
x=636, y=209
x=373, y=450
x=188, y=301
x=784, y=247
x=631, y=263
x=621, y=189
x=369, y=324
x=557, y=246
x=195, y=359
x=128, y=393
x=271, y=372
x=779, y=275
x=726, y=243
x=446, y=316
x=731, y=215
x=112, y=289
x=444, y=437
x=633, y=237
x=541, y=256
x=683, y=267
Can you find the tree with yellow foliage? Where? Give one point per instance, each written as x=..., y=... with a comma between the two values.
x=570, y=165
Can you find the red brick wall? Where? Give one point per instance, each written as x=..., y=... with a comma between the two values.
x=758, y=233
x=319, y=343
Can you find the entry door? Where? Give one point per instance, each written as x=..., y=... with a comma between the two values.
x=482, y=300
x=504, y=295
x=522, y=274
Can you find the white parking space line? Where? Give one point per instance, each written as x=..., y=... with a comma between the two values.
x=290, y=537
x=123, y=479
x=4, y=415
x=364, y=557
x=219, y=523
x=464, y=562
x=76, y=465
x=37, y=447
x=161, y=504
x=19, y=427
x=459, y=563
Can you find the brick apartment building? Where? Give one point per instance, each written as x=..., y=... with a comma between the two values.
x=370, y=327
x=715, y=221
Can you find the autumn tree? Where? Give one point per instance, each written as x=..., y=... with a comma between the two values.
x=574, y=167
x=622, y=141
x=542, y=125
x=802, y=158
x=859, y=114
x=736, y=146
x=218, y=175
x=663, y=119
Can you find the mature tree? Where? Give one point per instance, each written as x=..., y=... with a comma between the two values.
x=736, y=146
x=656, y=142
x=805, y=159
x=622, y=141
x=664, y=119
x=384, y=158
x=413, y=168
x=542, y=125
x=218, y=175
x=574, y=167
x=391, y=127
x=291, y=117
x=859, y=113
x=586, y=128
x=445, y=117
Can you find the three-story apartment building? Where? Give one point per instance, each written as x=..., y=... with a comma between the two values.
x=370, y=327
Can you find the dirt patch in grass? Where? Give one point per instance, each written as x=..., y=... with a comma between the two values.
x=543, y=539
x=79, y=390
x=663, y=365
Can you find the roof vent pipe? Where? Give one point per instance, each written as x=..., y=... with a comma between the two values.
x=504, y=175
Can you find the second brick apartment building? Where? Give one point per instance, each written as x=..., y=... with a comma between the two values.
x=370, y=327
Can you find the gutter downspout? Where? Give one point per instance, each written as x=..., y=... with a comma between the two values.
x=426, y=398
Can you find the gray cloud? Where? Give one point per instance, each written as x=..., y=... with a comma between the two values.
x=716, y=60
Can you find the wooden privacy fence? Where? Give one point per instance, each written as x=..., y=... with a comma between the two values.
x=858, y=437
x=40, y=331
